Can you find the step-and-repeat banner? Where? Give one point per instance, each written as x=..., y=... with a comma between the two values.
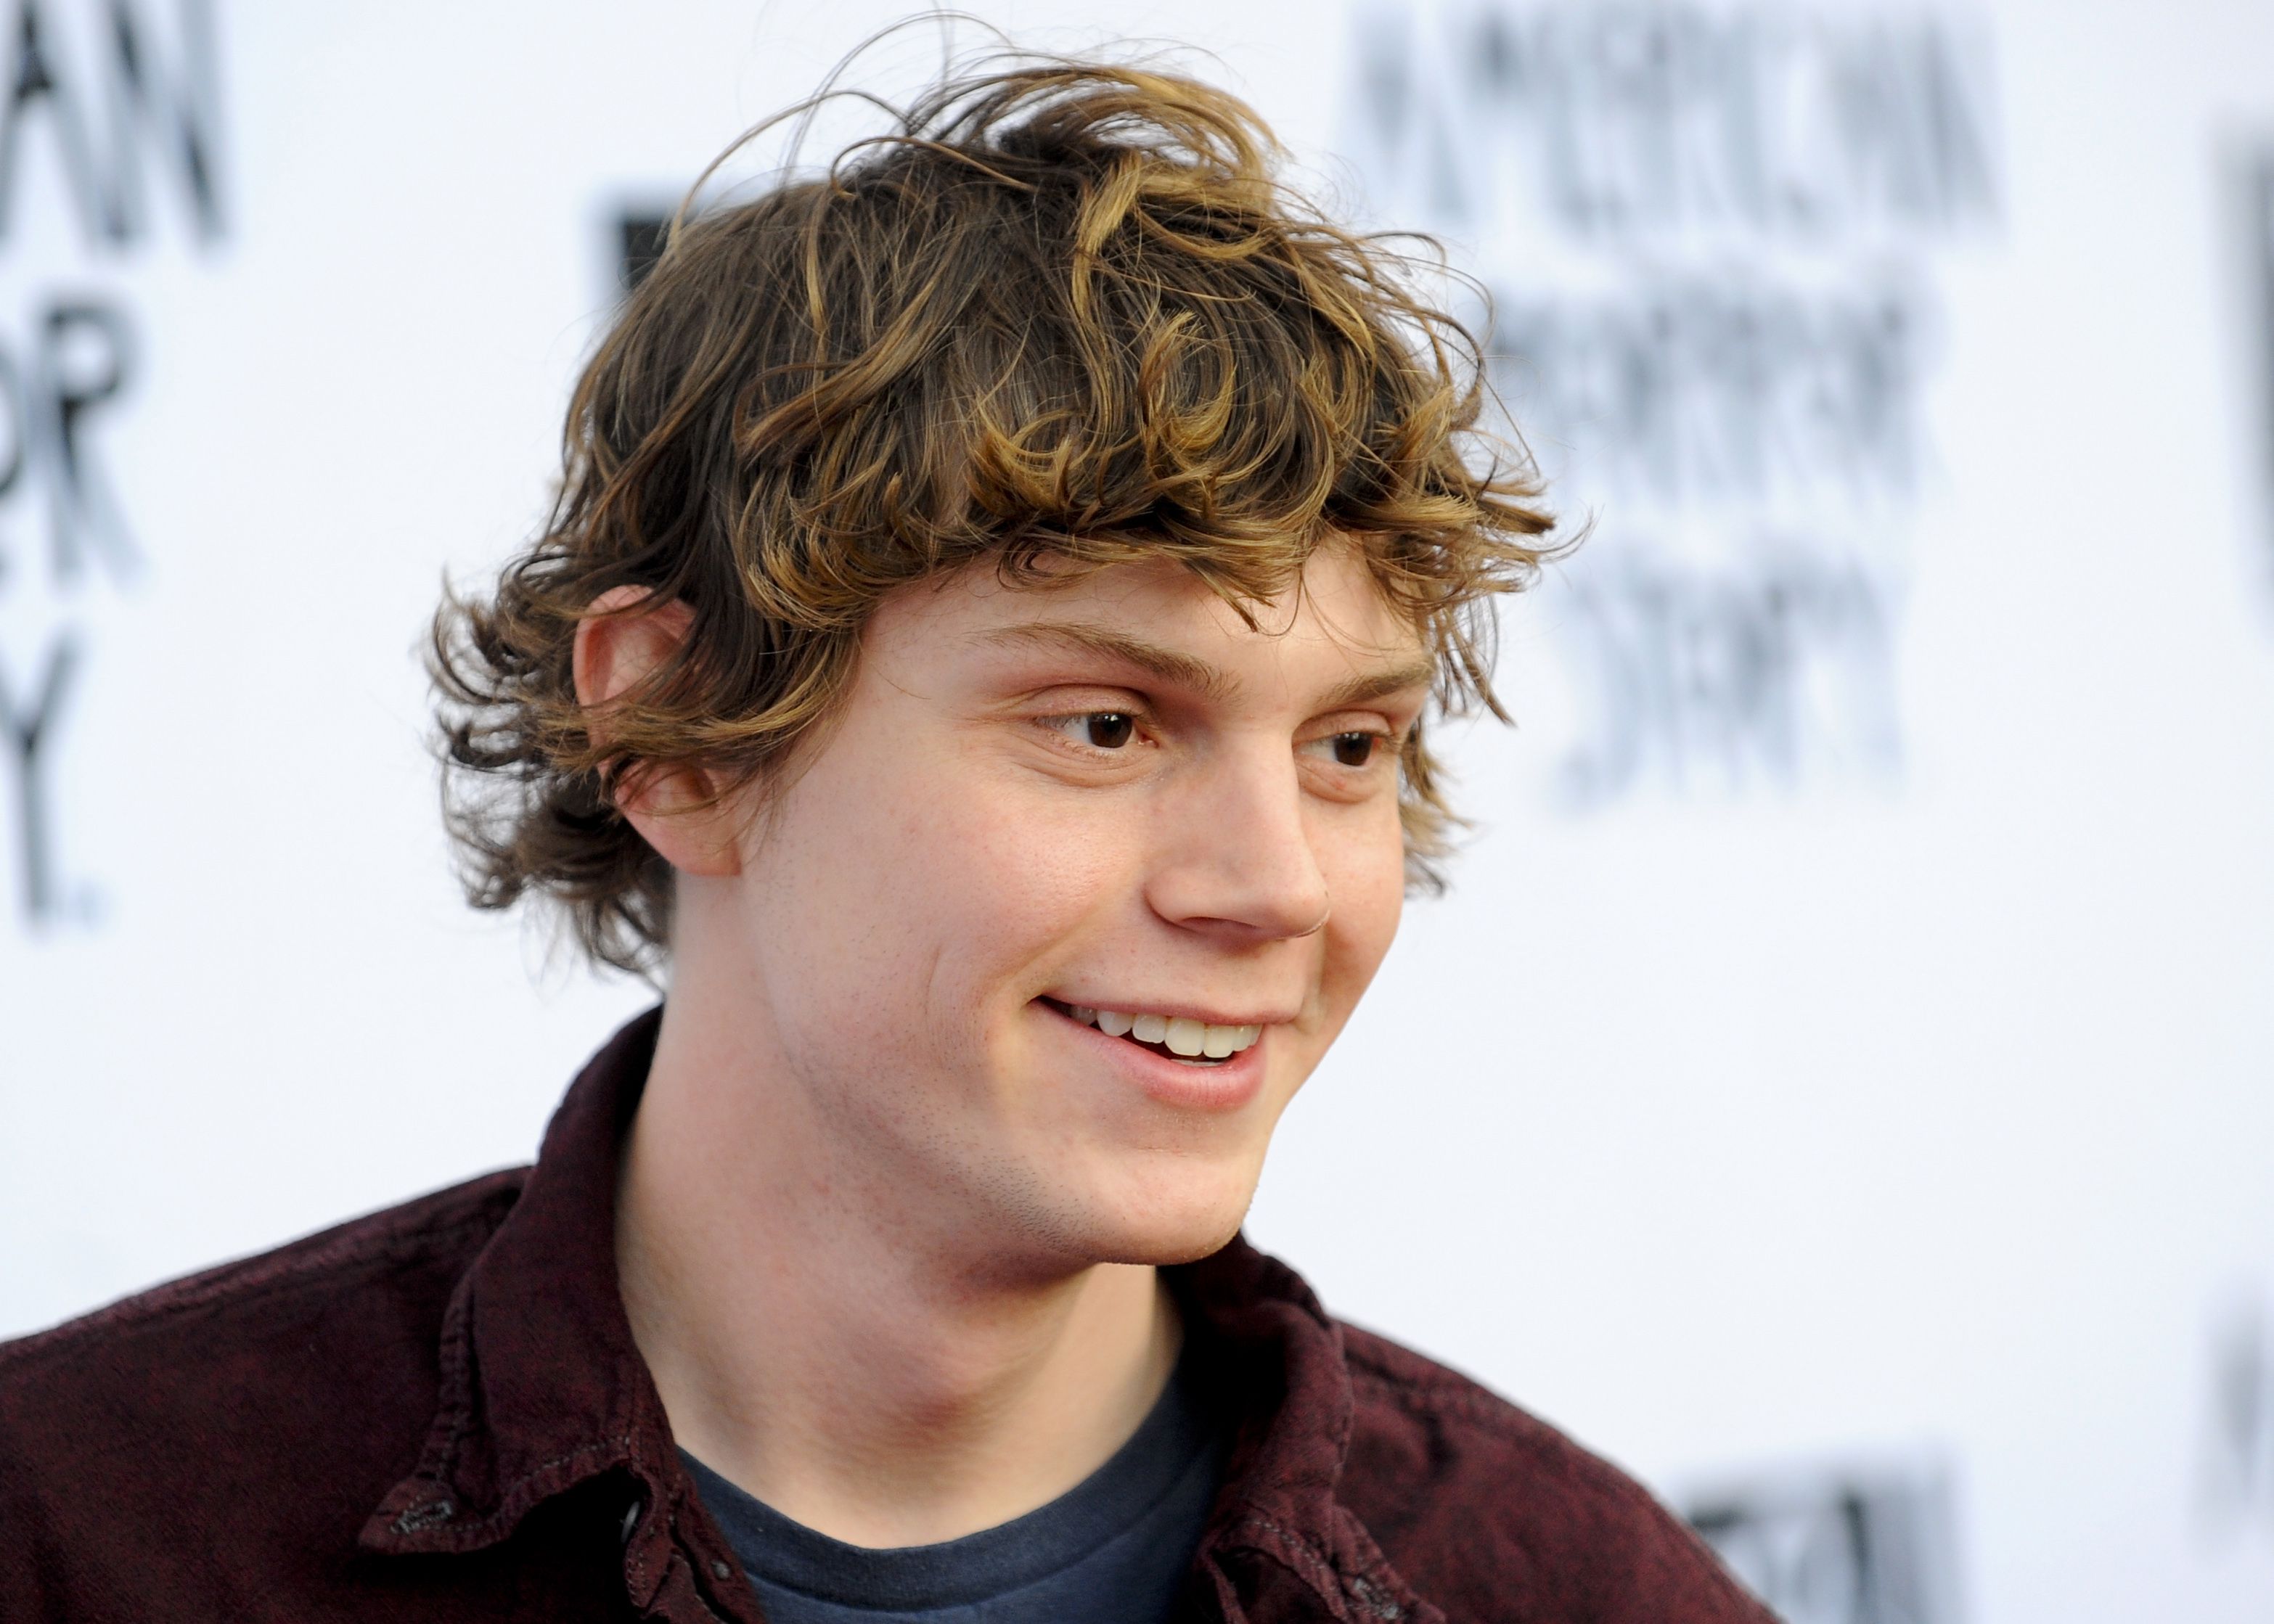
x=1840, y=1084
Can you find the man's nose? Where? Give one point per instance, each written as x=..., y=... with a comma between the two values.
x=1234, y=850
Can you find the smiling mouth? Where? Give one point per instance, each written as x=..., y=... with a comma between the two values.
x=1172, y=1037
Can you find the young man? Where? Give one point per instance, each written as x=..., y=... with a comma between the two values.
x=980, y=649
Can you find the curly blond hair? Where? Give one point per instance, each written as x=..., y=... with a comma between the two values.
x=1064, y=314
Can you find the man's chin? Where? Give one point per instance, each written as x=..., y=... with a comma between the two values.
x=1191, y=1249
x=1131, y=1211
x=1165, y=1233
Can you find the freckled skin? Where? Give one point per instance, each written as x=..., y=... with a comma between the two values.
x=953, y=849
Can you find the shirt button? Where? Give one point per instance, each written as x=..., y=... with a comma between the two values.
x=719, y=1569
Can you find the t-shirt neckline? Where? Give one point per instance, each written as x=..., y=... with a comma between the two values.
x=991, y=1562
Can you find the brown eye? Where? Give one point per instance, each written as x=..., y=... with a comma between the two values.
x=1109, y=730
x=1354, y=750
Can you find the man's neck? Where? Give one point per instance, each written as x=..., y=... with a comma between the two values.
x=866, y=1373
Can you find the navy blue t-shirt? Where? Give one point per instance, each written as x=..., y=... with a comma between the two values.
x=1111, y=1550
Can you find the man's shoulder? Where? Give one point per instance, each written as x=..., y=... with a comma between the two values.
x=213, y=1314
x=1491, y=1513
x=1421, y=1424
x=297, y=1377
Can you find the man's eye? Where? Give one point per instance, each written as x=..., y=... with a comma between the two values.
x=1104, y=729
x=1355, y=749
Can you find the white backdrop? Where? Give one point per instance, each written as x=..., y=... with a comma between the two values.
x=1845, y=1065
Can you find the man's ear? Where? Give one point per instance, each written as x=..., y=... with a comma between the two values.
x=620, y=644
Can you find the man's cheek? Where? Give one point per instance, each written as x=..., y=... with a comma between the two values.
x=1366, y=880
x=1039, y=862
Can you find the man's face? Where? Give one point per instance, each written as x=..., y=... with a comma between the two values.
x=1104, y=794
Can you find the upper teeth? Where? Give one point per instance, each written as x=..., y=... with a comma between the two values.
x=1181, y=1033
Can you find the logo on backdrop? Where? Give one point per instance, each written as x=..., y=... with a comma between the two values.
x=640, y=232
x=117, y=117
x=1870, y=1547
x=1705, y=234
x=2238, y=1477
x=2258, y=270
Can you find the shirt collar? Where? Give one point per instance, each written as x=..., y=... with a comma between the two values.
x=1295, y=1408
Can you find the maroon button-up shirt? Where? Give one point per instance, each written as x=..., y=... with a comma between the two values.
x=438, y=1412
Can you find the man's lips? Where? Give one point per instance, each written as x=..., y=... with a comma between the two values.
x=1184, y=1035
x=1198, y=1082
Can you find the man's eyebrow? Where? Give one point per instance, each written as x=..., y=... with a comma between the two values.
x=1367, y=686
x=1198, y=675
x=1182, y=669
